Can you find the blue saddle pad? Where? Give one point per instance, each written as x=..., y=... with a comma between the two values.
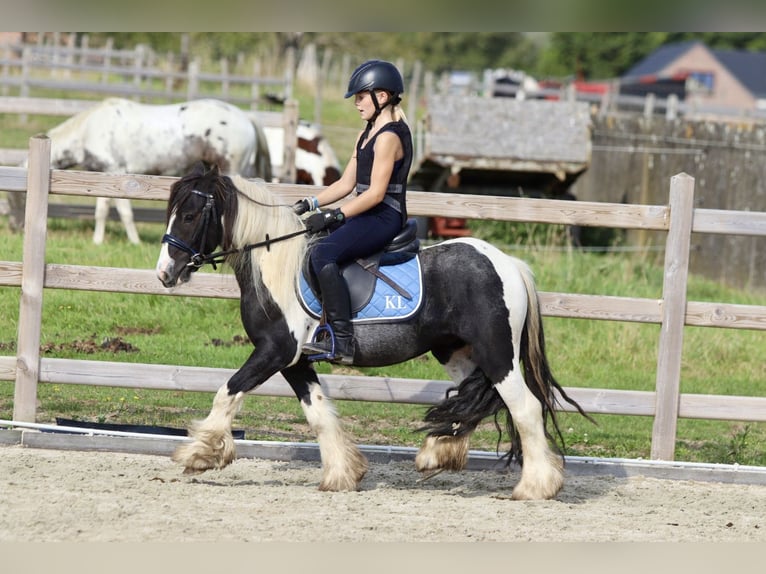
x=385, y=305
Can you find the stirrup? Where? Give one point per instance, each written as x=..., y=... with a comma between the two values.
x=329, y=355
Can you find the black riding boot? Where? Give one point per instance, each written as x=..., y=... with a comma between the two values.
x=337, y=308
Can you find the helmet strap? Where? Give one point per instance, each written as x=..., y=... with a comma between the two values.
x=392, y=101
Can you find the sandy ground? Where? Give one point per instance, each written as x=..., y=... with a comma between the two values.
x=50, y=495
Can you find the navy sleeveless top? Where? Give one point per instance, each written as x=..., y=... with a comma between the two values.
x=397, y=185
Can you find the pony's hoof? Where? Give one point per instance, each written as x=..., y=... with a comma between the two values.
x=540, y=492
x=348, y=477
x=442, y=453
x=541, y=481
x=338, y=486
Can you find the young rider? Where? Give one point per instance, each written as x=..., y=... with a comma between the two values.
x=378, y=171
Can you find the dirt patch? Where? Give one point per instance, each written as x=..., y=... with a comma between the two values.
x=49, y=495
x=89, y=346
x=236, y=341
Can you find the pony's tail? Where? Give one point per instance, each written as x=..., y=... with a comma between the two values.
x=537, y=371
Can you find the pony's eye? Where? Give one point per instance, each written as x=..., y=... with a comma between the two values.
x=188, y=217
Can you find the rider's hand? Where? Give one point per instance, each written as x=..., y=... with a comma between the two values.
x=324, y=219
x=304, y=205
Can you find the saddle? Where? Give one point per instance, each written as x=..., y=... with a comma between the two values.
x=361, y=275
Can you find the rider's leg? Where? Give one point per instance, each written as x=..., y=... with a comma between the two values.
x=337, y=308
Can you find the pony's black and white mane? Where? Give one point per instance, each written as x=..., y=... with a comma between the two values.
x=250, y=213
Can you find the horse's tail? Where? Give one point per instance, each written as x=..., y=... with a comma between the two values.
x=537, y=371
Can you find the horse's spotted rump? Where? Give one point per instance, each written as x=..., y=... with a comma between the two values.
x=119, y=135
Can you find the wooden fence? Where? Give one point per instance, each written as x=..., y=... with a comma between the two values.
x=137, y=73
x=666, y=404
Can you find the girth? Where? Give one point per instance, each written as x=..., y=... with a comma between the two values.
x=361, y=275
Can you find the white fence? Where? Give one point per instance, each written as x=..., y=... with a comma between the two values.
x=666, y=404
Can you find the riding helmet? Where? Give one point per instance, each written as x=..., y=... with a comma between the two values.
x=375, y=75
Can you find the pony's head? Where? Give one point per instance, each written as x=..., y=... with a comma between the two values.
x=194, y=222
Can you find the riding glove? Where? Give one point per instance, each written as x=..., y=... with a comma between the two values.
x=324, y=220
x=305, y=204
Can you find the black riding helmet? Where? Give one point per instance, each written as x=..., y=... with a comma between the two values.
x=377, y=75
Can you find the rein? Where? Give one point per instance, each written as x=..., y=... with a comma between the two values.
x=199, y=259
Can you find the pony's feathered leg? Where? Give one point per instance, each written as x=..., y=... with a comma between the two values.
x=343, y=465
x=542, y=471
x=126, y=215
x=448, y=451
x=212, y=444
x=542, y=474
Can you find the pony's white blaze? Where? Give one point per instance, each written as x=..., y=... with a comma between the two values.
x=165, y=263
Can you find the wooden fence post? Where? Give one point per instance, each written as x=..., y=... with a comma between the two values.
x=290, y=127
x=138, y=67
x=26, y=60
x=224, y=63
x=289, y=72
x=6, y=70
x=413, y=91
x=255, y=86
x=192, y=79
x=32, y=280
x=668, y=383
x=107, y=61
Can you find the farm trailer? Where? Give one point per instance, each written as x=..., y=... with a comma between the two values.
x=498, y=146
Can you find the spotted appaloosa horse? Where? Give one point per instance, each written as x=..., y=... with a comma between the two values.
x=123, y=136
x=480, y=318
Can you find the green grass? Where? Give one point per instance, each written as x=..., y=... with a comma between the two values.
x=207, y=332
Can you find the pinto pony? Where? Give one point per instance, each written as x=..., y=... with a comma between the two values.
x=480, y=319
x=123, y=136
x=315, y=160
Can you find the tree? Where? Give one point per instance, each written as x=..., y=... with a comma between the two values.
x=598, y=55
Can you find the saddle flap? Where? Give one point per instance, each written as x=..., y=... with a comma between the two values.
x=361, y=285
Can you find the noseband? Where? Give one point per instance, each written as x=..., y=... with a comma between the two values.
x=197, y=259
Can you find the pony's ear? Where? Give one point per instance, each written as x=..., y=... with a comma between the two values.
x=198, y=169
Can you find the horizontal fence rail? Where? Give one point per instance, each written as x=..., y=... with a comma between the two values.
x=679, y=219
x=93, y=70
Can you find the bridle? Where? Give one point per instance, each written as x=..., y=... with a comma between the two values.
x=199, y=259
